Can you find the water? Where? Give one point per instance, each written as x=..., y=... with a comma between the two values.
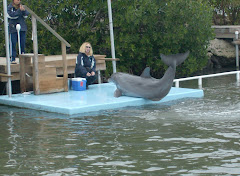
x=186, y=137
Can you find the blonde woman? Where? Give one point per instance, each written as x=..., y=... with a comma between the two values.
x=86, y=63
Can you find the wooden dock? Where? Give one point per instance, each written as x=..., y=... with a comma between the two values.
x=53, y=61
x=226, y=31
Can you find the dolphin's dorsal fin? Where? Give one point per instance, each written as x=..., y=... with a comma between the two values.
x=146, y=73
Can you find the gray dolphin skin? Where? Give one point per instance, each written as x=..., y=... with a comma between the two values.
x=145, y=86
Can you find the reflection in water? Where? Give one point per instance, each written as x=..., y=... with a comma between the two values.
x=186, y=137
x=12, y=140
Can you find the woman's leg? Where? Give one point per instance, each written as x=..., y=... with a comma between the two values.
x=14, y=39
x=22, y=41
x=91, y=79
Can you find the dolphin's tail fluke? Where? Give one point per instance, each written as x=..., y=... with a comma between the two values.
x=174, y=59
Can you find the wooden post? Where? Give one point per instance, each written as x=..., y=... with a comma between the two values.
x=22, y=74
x=65, y=72
x=25, y=64
x=35, y=57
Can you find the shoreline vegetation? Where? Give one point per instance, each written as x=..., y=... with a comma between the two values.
x=142, y=30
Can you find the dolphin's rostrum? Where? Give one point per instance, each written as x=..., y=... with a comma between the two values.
x=145, y=86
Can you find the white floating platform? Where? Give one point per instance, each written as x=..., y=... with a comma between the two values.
x=97, y=97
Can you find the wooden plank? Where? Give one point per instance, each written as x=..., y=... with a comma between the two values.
x=54, y=61
x=109, y=59
x=226, y=31
x=101, y=67
x=22, y=73
x=221, y=31
x=59, y=63
x=3, y=69
x=50, y=86
x=47, y=72
x=5, y=75
x=225, y=36
x=97, y=56
x=41, y=58
x=41, y=61
x=15, y=77
x=226, y=26
x=70, y=70
x=14, y=68
x=236, y=42
x=47, y=80
x=100, y=61
x=29, y=55
x=26, y=83
x=65, y=73
x=41, y=65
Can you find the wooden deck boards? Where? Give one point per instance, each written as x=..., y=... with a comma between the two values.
x=226, y=31
x=54, y=61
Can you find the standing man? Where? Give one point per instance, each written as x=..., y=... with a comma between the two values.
x=17, y=15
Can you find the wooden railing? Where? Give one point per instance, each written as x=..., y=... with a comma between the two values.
x=64, y=44
x=226, y=31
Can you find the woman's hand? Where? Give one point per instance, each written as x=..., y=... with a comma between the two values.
x=92, y=73
x=21, y=7
x=88, y=74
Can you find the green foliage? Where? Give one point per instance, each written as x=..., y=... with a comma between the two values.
x=188, y=27
x=226, y=12
x=142, y=30
x=75, y=21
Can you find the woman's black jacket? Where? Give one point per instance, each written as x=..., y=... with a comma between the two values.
x=84, y=64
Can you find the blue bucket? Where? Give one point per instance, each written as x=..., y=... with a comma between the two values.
x=79, y=84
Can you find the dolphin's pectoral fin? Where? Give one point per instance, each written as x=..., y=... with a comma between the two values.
x=146, y=73
x=117, y=93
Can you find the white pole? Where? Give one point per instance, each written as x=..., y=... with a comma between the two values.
x=10, y=41
x=237, y=50
x=177, y=84
x=18, y=27
x=238, y=76
x=9, y=84
x=111, y=35
x=200, y=82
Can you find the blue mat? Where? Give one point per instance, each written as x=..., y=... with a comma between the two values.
x=97, y=97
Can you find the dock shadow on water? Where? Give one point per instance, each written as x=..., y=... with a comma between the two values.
x=186, y=137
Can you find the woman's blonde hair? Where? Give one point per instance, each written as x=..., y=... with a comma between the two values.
x=83, y=47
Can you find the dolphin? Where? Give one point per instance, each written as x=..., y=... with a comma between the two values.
x=145, y=86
